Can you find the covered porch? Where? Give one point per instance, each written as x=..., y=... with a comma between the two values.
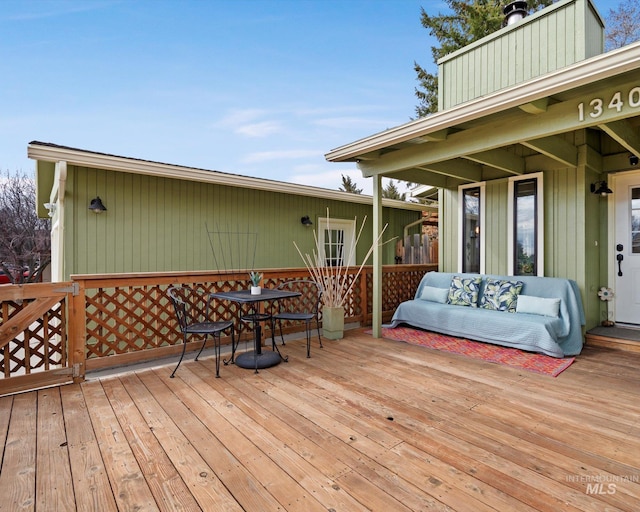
x=364, y=424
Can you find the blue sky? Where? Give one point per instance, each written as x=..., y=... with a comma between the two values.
x=260, y=88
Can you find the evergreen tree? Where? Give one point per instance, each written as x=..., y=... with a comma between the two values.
x=348, y=185
x=468, y=21
x=392, y=192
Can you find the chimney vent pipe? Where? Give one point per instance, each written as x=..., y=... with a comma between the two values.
x=515, y=11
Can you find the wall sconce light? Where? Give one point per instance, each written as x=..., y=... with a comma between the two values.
x=601, y=188
x=633, y=160
x=306, y=221
x=96, y=205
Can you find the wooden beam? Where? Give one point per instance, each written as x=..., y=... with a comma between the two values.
x=436, y=136
x=424, y=176
x=500, y=159
x=459, y=168
x=623, y=133
x=556, y=148
x=536, y=106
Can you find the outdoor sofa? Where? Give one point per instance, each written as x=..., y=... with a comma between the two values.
x=536, y=314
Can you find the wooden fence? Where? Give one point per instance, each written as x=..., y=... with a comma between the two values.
x=54, y=333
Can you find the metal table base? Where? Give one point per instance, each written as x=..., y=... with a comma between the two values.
x=251, y=360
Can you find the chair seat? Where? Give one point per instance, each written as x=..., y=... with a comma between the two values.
x=255, y=317
x=294, y=316
x=207, y=327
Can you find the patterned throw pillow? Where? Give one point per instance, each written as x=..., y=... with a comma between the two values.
x=501, y=295
x=463, y=291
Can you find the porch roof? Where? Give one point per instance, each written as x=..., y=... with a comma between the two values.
x=528, y=127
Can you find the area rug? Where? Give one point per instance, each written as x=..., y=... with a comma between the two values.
x=538, y=363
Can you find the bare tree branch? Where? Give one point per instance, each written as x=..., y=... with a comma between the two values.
x=25, y=239
x=623, y=25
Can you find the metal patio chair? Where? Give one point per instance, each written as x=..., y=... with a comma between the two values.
x=304, y=308
x=193, y=310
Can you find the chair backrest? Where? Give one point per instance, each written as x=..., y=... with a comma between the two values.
x=309, y=300
x=189, y=304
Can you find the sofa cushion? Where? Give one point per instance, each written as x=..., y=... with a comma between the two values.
x=463, y=291
x=501, y=295
x=434, y=294
x=538, y=306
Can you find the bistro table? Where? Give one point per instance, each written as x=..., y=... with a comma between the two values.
x=256, y=358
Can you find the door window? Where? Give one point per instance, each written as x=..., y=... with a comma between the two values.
x=635, y=220
x=336, y=241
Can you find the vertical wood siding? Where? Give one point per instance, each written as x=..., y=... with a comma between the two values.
x=565, y=34
x=160, y=224
x=448, y=241
x=495, y=229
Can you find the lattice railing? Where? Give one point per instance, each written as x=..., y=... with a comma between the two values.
x=98, y=321
x=33, y=336
x=40, y=346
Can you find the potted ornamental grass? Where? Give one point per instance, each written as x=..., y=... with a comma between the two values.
x=336, y=282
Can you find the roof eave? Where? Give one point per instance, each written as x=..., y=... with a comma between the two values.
x=53, y=153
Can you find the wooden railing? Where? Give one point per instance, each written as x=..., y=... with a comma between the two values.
x=59, y=331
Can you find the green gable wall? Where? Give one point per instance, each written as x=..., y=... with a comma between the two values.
x=158, y=224
x=562, y=34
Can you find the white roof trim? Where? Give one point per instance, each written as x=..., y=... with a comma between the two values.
x=53, y=153
x=582, y=73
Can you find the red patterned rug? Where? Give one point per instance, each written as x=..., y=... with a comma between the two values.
x=538, y=363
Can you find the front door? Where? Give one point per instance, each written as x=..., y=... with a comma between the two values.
x=626, y=248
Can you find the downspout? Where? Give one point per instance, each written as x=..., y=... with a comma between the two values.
x=58, y=198
x=410, y=225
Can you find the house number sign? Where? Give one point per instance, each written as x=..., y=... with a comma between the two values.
x=597, y=106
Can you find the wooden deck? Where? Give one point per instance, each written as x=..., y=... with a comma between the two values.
x=364, y=424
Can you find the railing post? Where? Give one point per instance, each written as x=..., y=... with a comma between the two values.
x=77, y=331
x=364, y=303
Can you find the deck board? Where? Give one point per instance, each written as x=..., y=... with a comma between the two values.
x=52, y=456
x=364, y=424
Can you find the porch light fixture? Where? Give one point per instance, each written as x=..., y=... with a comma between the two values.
x=601, y=188
x=96, y=205
x=633, y=160
x=306, y=221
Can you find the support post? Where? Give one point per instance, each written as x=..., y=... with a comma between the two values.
x=376, y=328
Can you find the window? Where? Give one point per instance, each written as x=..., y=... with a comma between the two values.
x=471, y=235
x=525, y=226
x=336, y=237
x=635, y=220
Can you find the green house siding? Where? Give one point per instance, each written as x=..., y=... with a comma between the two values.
x=496, y=254
x=563, y=34
x=160, y=224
